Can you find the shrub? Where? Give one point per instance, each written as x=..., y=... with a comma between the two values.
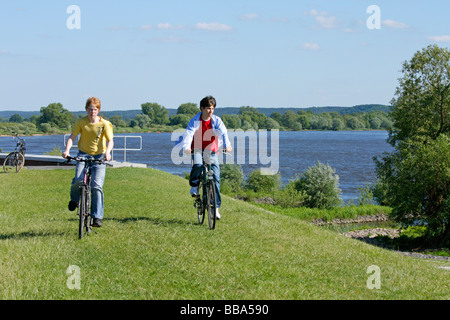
x=365, y=195
x=259, y=182
x=289, y=197
x=231, y=178
x=321, y=185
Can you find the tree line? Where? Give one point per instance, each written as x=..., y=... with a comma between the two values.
x=55, y=119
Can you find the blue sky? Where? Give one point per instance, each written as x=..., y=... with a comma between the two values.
x=245, y=53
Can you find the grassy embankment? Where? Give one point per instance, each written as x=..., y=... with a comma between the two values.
x=151, y=247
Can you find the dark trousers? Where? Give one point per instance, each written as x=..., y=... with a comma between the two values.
x=194, y=180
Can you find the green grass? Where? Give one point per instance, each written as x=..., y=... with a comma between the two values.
x=151, y=247
x=344, y=212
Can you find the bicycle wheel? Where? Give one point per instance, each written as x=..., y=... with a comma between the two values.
x=199, y=203
x=13, y=162
x=82, y=210
x=211, y=204
x=88, y=221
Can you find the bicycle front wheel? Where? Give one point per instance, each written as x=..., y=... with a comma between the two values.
x=199, y=203
x=13, y=162
x=82, y=211
x=211, y=204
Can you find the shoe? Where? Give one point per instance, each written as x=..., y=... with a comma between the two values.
x=194, y=191
x=217, y=214
x=72, y=205
x=97, y=223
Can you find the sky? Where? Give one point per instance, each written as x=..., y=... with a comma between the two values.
x=259, y=53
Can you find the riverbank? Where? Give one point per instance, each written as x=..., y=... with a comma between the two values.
x=147, y=236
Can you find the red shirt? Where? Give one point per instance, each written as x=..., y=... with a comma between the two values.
x=206, y=135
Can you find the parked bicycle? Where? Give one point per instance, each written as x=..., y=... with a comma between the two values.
x=84, y=204
x=206, y=201
x=15, y=160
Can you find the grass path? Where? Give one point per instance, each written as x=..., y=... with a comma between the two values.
x=151, y=247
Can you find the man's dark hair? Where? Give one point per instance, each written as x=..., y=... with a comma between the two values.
x=208, y=101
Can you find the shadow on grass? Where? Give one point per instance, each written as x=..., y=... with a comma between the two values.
x=30, y=234
x=155, y=221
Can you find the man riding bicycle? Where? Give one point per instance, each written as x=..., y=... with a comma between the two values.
x=205, y=132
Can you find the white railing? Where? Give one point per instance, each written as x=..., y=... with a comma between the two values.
x=125, y=149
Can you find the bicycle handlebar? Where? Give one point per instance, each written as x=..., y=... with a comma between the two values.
x=224, y=151
x=84, y=159
x=21, y=140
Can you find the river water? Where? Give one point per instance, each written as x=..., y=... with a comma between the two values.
x=350, y=153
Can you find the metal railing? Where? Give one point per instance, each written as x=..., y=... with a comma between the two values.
x=125, y=149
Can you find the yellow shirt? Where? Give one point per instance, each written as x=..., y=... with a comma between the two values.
x=93, y=136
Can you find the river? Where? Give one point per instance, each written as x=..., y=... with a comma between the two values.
x=350, y=153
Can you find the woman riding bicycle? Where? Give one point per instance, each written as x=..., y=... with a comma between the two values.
x=205, y=132
x=96, y=140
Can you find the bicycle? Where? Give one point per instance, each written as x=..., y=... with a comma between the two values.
x=206, y=200
x=15, y=160
x=85, y=218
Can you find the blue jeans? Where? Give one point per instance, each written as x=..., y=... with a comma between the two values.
x=97, y=179
x=196, y=171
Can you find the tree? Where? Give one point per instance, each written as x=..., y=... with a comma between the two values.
x=117, y=121
x=232, y=121
x=337, y=124
x=179, y=119
x=288, y=119
x=141, y=120
x=422, y=103
x=55, y=115
x=16, y=118
x=157, y=113
x=416, y=175
x=190, y=109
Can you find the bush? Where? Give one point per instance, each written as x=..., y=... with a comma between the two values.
x=321, y=186
x=231, y=178
x=365, y=195
x=289, y=197
x=259, y=182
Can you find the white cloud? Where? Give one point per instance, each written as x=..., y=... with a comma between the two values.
x=311, y=46
x=146, y=27
x=214, y=26
x=394, y=24
x=324, y=19
x=167, y=26
x=440, y=38
x=170, y=39
x=249, y=16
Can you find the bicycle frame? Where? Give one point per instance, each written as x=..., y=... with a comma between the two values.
x=85, y=194
x=203, y=201
x=20, y=147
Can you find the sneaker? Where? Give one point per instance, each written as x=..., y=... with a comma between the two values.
x=72, y=205
x=97, y=223
x=217, y=214
x=194, y=191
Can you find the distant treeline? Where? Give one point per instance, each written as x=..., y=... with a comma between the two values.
x=55, y=119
